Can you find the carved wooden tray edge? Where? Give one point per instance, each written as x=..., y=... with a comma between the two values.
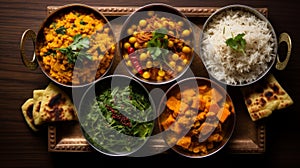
x=188, y=11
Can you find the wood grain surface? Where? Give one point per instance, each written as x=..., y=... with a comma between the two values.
x=20, y=147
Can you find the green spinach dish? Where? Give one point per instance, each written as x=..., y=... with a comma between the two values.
x=119, y=121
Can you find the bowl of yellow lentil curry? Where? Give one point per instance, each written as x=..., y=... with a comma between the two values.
x=196, y=117
x=156, y=43
x=75, y=45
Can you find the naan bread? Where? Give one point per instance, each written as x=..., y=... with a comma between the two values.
x=37, y=99
x=264, y=97
x=56, y=105
x=27, y=109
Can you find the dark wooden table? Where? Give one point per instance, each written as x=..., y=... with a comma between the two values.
x=20, y=147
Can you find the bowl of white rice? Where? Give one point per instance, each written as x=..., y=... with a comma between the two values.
x=238, y=45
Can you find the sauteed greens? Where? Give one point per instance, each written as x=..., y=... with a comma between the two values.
x=119, y=120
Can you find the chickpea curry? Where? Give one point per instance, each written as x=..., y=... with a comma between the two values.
x=157, y=48
x=195, y=119
x=77, y=38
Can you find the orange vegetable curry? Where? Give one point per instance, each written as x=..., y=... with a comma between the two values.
x=195, y=119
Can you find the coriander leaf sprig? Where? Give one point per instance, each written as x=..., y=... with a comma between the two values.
x=237, y=43
x=75, y=50
x=158, y=45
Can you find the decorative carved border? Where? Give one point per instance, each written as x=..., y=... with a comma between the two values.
x=81, y=145
x=66, y=145
x=188, y=11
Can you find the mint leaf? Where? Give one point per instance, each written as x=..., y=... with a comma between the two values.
x=237, y=43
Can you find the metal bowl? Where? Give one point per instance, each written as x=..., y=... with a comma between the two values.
x=232, y=75
x=83, y=72
x=106, y=124
x=145, y=68
x=189, y=124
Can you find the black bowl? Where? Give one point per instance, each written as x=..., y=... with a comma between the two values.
x=191, y=126
x=116, y=115
x=165, y=20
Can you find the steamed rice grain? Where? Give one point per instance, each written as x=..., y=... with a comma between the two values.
x=231, y=66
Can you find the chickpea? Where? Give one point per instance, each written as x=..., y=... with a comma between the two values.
x=146, y=75
x=132, y=40
x=133, y=26
x=165, y=23
x=159, y=78
x=186, y=33
x=171, y=33
x=126, y=45
x=136, y=45
x=143, y=23
x=175, y=57
x=170, y=44
x=172, y=64
x=125, y=56
x=180, y=23
x=184, y=61
x=134, y=71
x=158, y=25
x=186, y=49
x=143, y=56
x=171, y=25
x=129, y=31
x=179, y=68
x=149, y=64
x=150, y=13
x=145, y=45
x=134, y=33
x=128, y=63
x=161, y=73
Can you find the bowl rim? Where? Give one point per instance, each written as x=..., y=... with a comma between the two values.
x=219, y=88
x=175, y=12
x=255, y=12
x=64, y=10
x=109, y=77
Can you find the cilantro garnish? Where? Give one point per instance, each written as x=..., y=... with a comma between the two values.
x=158, y=44
x=61, y=30
x=75, y=50
x=237, y=43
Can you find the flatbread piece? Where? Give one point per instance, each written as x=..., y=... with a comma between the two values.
x=27, y=109
x=37, y=99
x=264, y=97
x=56, y=105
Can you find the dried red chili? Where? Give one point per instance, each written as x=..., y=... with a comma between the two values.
x=119, y=117
x=134, y=60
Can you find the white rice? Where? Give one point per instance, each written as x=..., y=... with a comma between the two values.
x=231, y=66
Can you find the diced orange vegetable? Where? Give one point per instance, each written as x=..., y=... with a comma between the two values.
x=169, y=121
x=188, y=93
x=223, y=114
x=214, y=107
x=183, y=107
x=173, y=103
x=216, y=95
x=202, y=88
x=184, y=142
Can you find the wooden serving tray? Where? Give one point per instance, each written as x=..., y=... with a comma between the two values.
x=248, y=136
